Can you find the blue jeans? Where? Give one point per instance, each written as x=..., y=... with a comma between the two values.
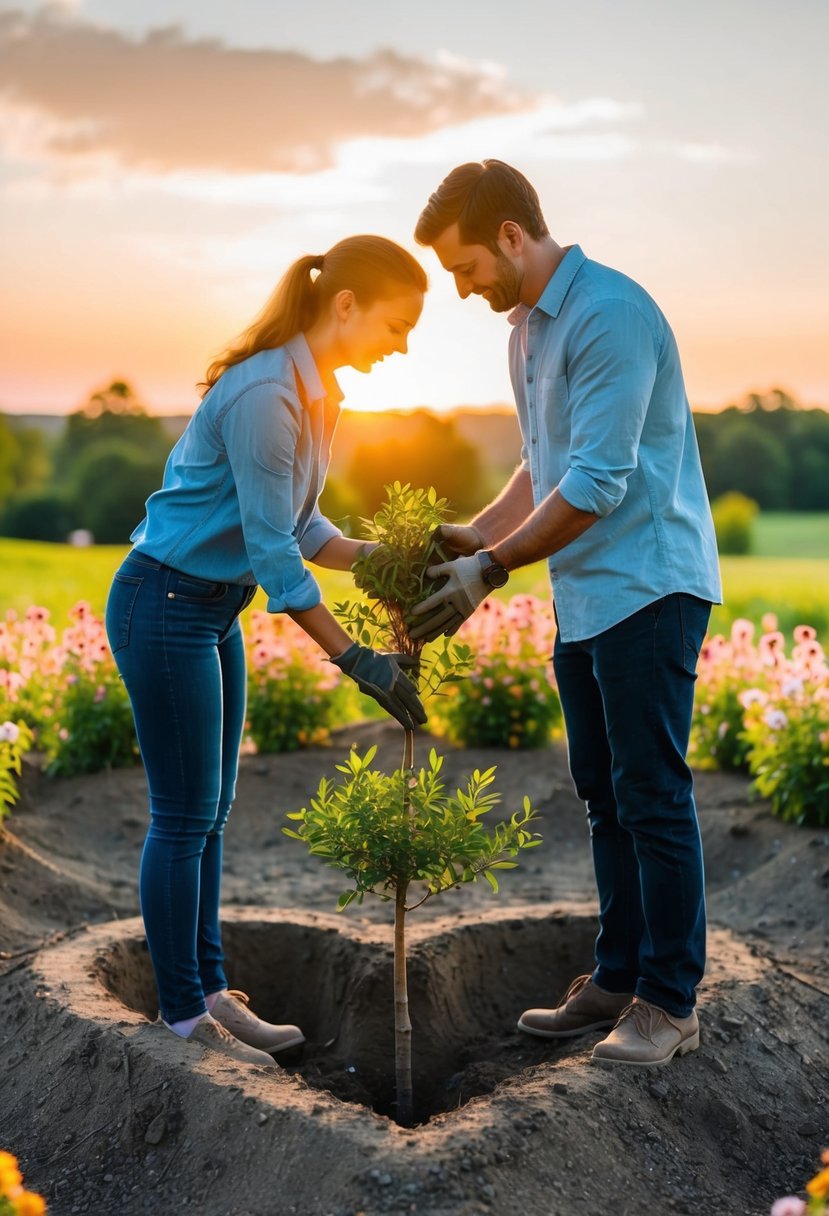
x=627, y=696
x=178, y=646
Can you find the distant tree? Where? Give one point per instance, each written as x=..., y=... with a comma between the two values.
x=9, y=460
x=113, y=480
x=38, y=515
x=112, y=413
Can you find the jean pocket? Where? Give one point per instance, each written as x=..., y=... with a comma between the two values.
x=694, y=615
x=193, y=590
x=119, y=609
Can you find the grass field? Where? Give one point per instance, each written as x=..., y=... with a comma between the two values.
x=782, y=578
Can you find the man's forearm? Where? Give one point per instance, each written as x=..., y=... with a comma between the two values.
x=509, y=510
x=551, y=526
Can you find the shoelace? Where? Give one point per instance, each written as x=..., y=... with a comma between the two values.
x=645, y=1018
x=239, y=995
x=217, y=1029
x=574, y=989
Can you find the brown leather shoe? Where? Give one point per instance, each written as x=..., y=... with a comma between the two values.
x=583, y=1007
x=231, y=1009
x=647, y=1036
x=213, y=1035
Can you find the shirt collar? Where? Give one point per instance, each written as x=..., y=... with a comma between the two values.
x=308, y=372
x=559, y=283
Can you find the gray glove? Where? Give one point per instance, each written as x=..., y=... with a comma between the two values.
x=446, y=610
x=458, y=538
x=380, y=676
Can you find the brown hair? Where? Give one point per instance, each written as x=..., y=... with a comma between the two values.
x=370, y=266
x=478, y=197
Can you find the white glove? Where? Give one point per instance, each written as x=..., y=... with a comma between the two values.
x=447, y=609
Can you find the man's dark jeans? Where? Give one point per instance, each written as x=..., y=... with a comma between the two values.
x=178, y=645
x=627, y=696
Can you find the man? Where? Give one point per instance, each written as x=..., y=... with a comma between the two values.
x=610, y=490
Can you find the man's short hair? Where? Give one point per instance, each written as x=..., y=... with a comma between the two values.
x=479, y=196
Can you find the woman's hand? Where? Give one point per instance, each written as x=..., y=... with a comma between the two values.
x=380, y=676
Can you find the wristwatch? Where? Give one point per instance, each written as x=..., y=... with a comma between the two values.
x=492, y=572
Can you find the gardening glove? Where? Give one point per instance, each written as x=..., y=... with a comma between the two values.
x=456, y=539
x=380, y=676
x=446, y=610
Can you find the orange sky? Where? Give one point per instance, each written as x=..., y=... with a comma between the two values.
x=155, y=180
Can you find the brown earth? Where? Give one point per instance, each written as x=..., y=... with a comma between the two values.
x=111, y=1114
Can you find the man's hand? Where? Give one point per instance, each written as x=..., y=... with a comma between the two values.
x=381, y=677
x=458, y=538
x=446, y=610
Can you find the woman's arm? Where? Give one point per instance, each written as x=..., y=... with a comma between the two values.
x=322, y=628
x=340, y=553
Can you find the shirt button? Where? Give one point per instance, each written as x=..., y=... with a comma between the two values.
x=534, y=439
x=171, y=595
x=529, y=379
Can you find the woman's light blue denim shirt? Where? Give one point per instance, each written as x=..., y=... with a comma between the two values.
x=238, y=503
x=605, y=418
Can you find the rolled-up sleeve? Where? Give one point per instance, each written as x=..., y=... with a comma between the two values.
x=610, y=377
x=317, y=534
x=260, y=430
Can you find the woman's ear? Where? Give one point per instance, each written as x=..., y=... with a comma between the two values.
x=344, y=304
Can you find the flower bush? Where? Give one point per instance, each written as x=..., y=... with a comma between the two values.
x=15, y=741
x=508, y=698
x=15, y=1200
x=768, y=712
x=290, y=686
x=67, y=690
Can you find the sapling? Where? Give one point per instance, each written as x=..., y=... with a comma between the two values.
x=403, y=836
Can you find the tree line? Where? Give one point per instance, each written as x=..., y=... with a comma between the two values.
x=110, y=457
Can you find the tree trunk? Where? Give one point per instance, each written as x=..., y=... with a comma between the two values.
x=402, y=1022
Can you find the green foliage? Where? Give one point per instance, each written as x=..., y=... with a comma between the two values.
x=288, y=711
x=15, y=741
x=113, y=480
x=393, y=578
x=788, y=755
x=91, y=727
x=502, y=704
x=734, y=516
x=388, y=831
x=717, y=738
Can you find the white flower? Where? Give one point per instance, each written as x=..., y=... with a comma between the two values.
x=792, y=687
x=751, y=696
x=9, y=732
x=775, y=719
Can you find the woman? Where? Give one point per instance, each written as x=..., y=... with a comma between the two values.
x=238, y=507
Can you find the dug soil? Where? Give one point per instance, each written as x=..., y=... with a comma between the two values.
x=112, y=1115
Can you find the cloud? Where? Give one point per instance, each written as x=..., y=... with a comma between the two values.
x=84, y=95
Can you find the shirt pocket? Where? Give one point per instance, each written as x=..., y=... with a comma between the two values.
x=555, y=409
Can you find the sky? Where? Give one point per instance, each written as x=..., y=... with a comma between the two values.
x=161, y=164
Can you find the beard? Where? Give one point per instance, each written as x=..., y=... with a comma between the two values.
x=504, y=292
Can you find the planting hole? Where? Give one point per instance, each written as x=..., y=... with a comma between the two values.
x=467, y=987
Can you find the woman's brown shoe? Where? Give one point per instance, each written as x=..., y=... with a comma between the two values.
x=231, y=1009
x=583, y=1007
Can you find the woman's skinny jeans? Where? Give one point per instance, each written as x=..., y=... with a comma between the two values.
x=178, y=646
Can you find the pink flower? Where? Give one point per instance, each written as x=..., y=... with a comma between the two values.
x=768, y=622
x=804, y=633
x=789, y=1205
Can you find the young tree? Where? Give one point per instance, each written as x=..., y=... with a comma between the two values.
x=399, y=833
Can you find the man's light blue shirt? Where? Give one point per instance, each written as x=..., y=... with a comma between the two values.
x=605, y=418
x=238, y=503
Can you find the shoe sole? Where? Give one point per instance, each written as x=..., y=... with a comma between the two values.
x=565, y=1034
x=681, y=1049
x=295, y=1042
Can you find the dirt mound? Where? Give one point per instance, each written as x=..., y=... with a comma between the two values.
x=110, y=1113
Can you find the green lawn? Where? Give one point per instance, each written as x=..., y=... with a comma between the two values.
x=57, y=576
x=791, y=534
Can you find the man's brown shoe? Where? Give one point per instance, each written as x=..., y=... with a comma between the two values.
x=214, y=1036
x=231, y=1010
x=583, y=1007
x=647, y=1036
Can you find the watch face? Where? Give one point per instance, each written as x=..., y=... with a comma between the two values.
x=493, y=574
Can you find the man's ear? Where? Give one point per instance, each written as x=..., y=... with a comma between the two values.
x=344, y=304
x=511, y=237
